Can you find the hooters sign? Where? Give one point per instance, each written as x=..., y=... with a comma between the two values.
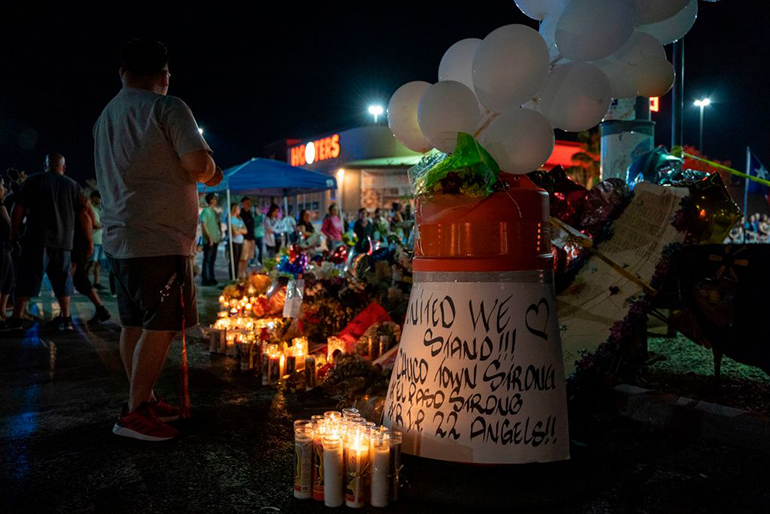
x=315, y=151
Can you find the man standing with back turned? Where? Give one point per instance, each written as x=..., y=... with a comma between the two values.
x=149, y=155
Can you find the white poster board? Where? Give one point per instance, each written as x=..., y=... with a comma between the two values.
x=599, y=295
x=479, y=376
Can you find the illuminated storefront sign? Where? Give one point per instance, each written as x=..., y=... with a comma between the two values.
x=315, y=151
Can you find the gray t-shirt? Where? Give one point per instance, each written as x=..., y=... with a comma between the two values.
x=149, y=203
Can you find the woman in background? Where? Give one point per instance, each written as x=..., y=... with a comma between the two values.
x=272, y=231
x=238, y=228
x=332, y=228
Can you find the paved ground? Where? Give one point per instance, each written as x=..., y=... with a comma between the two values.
x=59, y=396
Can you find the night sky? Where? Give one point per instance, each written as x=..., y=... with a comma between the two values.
x=253, y=76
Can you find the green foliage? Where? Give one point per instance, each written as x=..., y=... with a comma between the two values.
x=682, y=356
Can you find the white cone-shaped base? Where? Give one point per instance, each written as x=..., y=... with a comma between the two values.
x=479, y=375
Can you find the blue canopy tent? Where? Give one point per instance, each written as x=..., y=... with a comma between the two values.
x=270, y=178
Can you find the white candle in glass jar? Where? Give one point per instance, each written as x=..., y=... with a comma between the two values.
x=333, y=471
x=303, y=459
x=380, y=470
x=355, y=483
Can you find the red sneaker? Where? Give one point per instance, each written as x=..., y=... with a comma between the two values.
x=143, y=424
x=164, y=411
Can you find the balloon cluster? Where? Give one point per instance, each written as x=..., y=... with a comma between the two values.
x=515, y=86
x=295, y=263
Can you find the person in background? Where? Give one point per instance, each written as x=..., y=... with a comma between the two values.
x=53, y=205
x=381, y=225
x=259, y=234
x=332, y=228
x=80, y=261
x=247, y=252
x=397, y=209
x=364, y=230
x=237, y=231
x=308, y=237
x=98, y=256
x=408, y=213
x=212, y=235
x=150, y=156
x=15, y=179
x=272, y=231
x=289, y=229
x=397, y=225
x=763, y=229
x=6, y=259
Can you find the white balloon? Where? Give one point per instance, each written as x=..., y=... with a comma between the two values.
x=548, y=31
x=520, y=140
x=457, y=63
x=539, y=9
x=576, y=96
x=445, y=109
x=651, y=11
x=625, y=66
x=589, y=30
x=656, y=79
x=402, y=116
x=510, y=67
x=672, y=29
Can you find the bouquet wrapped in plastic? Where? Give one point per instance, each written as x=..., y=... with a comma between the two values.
x=469, y=171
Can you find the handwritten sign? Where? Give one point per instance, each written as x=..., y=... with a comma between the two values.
x=478, y=377
x=599, y=296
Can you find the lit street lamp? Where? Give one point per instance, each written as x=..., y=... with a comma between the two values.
x=200, y=131
x=376, y=111
x=702, y=104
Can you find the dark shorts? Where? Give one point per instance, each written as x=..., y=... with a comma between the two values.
x=34, y=261
x=149, y=295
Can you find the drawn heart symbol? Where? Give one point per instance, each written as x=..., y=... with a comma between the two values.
x=534, y=309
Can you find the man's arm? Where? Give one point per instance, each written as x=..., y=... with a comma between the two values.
x=86, y=225
x=5, y=220
x=200, y=167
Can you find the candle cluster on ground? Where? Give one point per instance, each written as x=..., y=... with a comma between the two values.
x=340, y=458
x=251, y=342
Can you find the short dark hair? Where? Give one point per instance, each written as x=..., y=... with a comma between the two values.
x=95, y=194
x=210, y=197
x=245, y=198
x=143, y=58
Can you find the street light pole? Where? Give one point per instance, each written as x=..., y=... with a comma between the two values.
x=700, y=137
x=702, y=104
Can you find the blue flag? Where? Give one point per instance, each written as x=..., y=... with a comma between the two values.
x=757, y=169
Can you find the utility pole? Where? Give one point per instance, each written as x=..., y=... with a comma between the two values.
x=677, y=95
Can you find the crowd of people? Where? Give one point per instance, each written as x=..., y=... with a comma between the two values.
x=755, y=229
x=48, y=226
x=260, y=230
